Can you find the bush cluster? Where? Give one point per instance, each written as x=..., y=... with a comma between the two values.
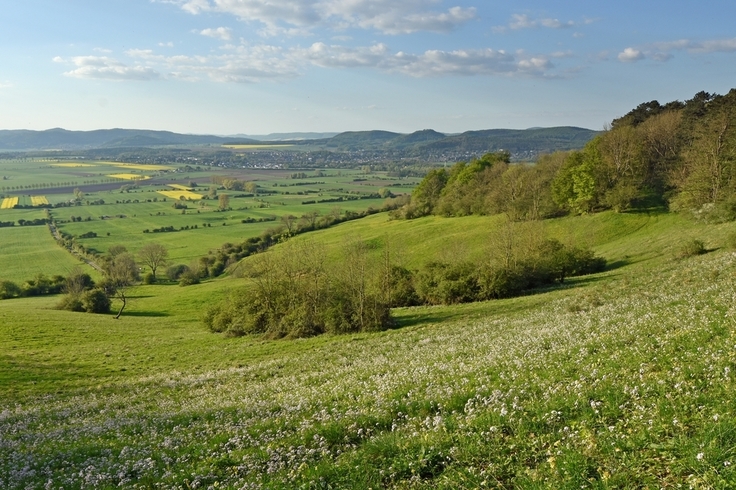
x=41, y=285
x=293, y=292
x=441, y=282
x=82, y=294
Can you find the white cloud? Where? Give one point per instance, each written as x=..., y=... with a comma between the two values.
x=255, y=63
x=5, y=85
x=222, y=33
x=320, y=54
x=663, y=51
x=523, y=21
x=630, y=55
x=432, y=63
x=102, y=67
x=715, y=46
x=295, y=17
x=166, y=45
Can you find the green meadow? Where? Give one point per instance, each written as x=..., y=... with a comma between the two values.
x=623, y=379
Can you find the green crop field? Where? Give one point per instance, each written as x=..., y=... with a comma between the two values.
x=28, y=251
x=623, y=379
x=83, y=199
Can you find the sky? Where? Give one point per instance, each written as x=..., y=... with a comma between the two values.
x=262, y=66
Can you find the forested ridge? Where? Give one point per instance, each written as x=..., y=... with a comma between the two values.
x=680, y=155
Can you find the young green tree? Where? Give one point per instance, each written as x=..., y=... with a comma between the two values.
x=154, y=255
x=223, y=202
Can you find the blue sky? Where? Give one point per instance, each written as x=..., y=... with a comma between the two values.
x=262, y=66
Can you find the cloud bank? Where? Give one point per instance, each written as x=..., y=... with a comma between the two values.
x=385, y=16
x=664, y=51
x=250, y=64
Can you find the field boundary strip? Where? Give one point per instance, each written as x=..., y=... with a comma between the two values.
x=177, y=194
x=129, y=176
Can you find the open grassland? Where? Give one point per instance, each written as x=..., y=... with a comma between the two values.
x=26, y=251
x=620, y=380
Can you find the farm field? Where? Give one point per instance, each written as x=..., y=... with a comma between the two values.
x=619, y=380
x=27, y=251
x=102, y=204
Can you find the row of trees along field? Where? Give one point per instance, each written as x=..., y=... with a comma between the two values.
x=680, y=154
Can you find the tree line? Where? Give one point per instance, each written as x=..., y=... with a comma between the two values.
x=680, y=155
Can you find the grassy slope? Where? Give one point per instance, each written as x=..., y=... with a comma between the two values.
x=618, y=380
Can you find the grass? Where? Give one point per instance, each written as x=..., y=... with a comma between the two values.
x=620, y=380
x=30, y=250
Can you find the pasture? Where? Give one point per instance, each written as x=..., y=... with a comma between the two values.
x=619, y=380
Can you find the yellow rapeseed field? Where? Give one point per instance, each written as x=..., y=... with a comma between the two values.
x=129, y=176
x=133, y=166
x=180, y=187
x=9, y=203
x=72, y=165
x=178, y=194
x=39, y=200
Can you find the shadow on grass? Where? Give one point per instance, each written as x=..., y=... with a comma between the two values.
x=144, y=314
x=533, y=298
x=612, y=266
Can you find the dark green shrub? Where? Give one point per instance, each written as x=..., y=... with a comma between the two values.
x=401, y=288
x=149, y=278
x=188, y=278
x=443, y=283
x=95, y=301
x=71, y=302
x=9, y=289
x=500, y=283
x=174, y=272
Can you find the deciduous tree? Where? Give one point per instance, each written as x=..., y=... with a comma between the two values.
x=154, y=255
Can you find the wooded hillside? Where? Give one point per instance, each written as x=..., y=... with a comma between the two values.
x=680, y=154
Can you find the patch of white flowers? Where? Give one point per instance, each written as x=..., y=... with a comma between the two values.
x=276, y=419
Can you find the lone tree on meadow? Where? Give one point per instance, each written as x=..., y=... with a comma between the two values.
x=120, y=272
x=154, y=255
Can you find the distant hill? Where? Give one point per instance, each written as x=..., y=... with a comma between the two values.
x=420, y=144
x=517, y=140
x=285, y=136
x=522, y=142
x=63, y=139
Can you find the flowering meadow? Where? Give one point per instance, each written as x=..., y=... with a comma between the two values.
x=625, y=380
